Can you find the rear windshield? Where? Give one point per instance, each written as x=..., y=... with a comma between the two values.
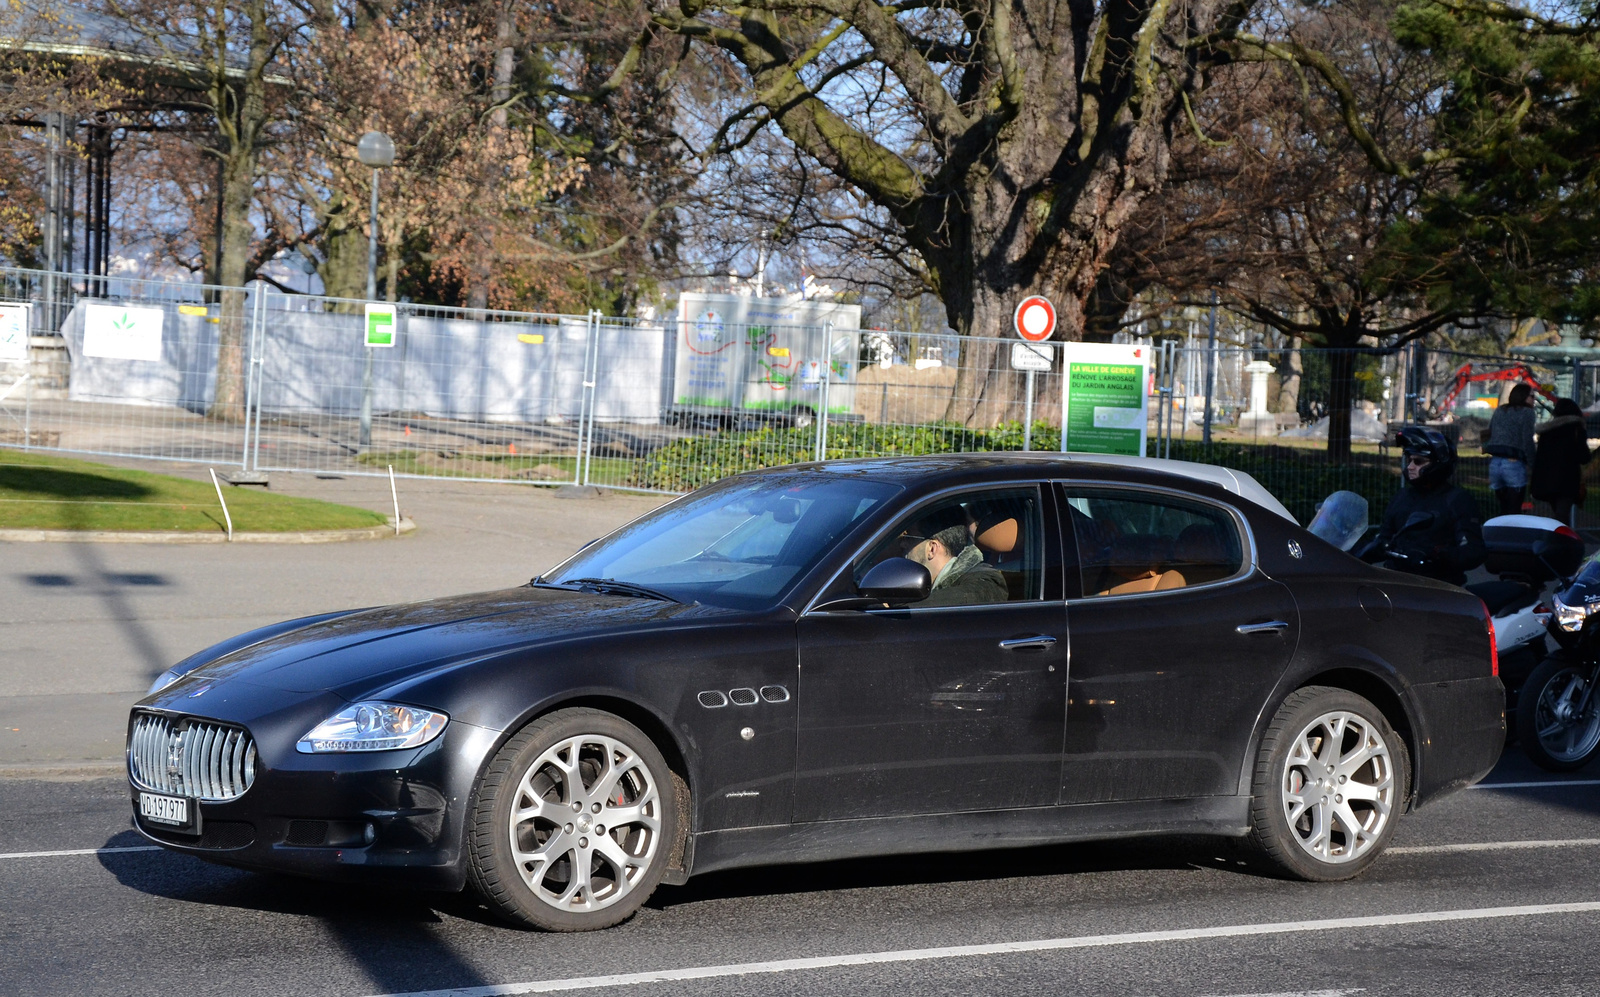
x=739, y=543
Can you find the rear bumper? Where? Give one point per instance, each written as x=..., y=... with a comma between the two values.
x=1461, y=732
x=311, y=815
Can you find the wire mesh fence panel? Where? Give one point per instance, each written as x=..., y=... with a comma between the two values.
x=261, y=380
x=128, y=368
x=768, y=404
x=493, y=396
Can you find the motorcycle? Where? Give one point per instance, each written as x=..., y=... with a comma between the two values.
x=1532, y=558
x=1558, y=715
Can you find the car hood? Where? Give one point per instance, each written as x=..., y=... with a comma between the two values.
x=382, y=646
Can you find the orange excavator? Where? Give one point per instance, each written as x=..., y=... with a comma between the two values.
x=1518, y=373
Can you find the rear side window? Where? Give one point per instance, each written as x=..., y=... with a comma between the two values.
x=1132, y=542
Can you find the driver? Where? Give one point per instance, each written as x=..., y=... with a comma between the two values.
x=960, y=575
x=1445, y=537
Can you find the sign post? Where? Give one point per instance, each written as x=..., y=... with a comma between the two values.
x=1035, y=322
x=1104, y=405
x=379, y=333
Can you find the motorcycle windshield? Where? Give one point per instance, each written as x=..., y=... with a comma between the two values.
x=1341, y=519
x=1585, y=588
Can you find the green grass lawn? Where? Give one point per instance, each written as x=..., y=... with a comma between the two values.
x=57, y=493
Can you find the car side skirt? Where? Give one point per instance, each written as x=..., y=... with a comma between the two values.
x=826, y=841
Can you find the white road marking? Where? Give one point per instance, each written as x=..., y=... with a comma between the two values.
x=1493, y=846
x=81, y=851
x=1536, y=785
x=1002, y=948
x=1306, y=993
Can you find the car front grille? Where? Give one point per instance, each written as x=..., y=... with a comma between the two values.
x=187, y=757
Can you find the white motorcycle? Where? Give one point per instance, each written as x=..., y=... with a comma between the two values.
x=1533, y=557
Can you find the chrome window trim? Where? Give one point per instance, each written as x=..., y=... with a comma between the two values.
x=1249, y=567
x=1037, y=484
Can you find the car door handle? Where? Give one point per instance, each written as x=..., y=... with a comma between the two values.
x=1039, y=643
x=1274, y=627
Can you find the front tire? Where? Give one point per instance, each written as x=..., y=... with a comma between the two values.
x=1331, y=778
x=573, y=822
x=1554, y=733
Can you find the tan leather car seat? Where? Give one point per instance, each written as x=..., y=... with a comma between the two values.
x=1001, y=543
x=1140, y=564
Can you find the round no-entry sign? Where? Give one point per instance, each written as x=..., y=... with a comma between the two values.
x=1035, y=319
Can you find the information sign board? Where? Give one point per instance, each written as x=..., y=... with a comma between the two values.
x=1032, y=356
x=14, y=333
x=1104, y=406
x=118, y=332
x=380, y=324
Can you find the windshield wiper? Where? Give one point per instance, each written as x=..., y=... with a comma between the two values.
x=610, y=586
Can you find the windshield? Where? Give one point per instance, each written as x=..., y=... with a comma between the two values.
x=739, y=543
x=1341, y=519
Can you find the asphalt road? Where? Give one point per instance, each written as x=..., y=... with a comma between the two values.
x=1493, y=891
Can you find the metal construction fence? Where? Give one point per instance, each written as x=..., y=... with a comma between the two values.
x=258, y=380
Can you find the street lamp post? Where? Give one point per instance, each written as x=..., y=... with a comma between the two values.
x=376, y=151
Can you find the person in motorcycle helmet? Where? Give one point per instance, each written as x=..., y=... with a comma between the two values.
x=1432, y=527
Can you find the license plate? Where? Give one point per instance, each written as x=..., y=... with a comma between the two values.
x=173, y=811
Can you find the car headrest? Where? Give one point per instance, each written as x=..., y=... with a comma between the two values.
x=1137, y=554
x=999, y=537
x=1199, y=544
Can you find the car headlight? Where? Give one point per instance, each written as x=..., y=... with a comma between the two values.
x=373, y=727
x=1570, y=618
x=163, y=680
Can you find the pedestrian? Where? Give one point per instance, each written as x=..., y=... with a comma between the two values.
x=1558, y=462
x=1510, y=449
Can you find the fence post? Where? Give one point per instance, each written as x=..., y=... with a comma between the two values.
x=250, y=375
x=259, y=367
x=1211, y=368
x=822, y=407
x=586, y=403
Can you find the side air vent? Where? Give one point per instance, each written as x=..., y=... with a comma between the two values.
x=743, y=697
x=712, y=699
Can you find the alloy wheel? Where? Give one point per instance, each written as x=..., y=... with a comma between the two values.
x=1339, y=790
x=585, y=823
x=1568, y=729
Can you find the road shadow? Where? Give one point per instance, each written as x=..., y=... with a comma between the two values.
x=396, y=936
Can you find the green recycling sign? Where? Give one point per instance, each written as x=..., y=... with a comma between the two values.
x=1105, y=406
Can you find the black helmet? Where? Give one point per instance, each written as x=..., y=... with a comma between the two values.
x=1424, y=441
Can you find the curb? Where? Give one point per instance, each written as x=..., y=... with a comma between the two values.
x=64, y=771
x=130, y=537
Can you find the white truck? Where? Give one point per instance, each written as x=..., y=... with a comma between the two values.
x=741, y=360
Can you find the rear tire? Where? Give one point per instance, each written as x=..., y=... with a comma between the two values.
x=1553, y=739
x=1331, y=779
x=573, y=823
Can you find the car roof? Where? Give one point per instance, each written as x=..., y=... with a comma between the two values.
x=908, y=470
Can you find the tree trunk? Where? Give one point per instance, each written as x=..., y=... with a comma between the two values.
x=1289, y=374
x=238, y=97
x=1341, y=394
x=238, y=231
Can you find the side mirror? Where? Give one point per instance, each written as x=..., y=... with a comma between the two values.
x=896, y=581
